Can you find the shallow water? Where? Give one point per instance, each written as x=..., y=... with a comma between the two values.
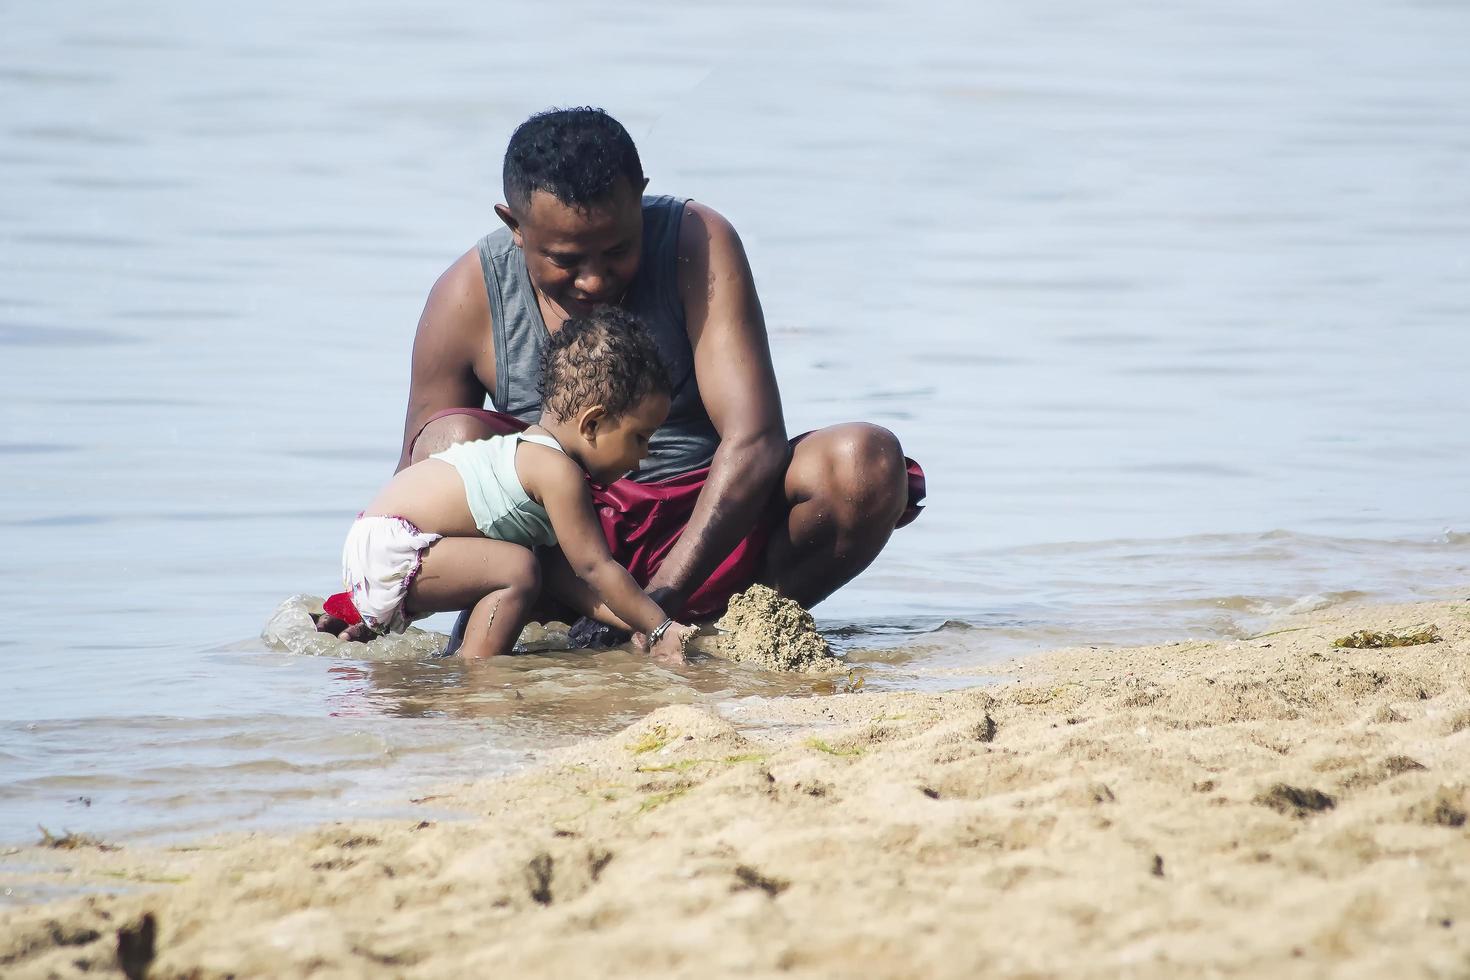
x=1169, y=302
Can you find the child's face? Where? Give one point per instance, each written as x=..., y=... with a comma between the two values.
x=618, y=446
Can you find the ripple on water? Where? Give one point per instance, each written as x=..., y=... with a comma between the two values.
x=28, y=335
x=34, y=448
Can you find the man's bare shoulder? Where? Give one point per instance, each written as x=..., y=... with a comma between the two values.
x=453, y=340
x=714, y=273
x=458, y=300
x=701, y=230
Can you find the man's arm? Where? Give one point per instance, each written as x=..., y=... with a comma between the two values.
x=732, y=362
x=453, y=358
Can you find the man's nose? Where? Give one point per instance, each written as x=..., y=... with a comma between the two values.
x=592, y=280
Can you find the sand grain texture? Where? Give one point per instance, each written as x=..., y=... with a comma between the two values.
x=1151, y=812
x=764, y=630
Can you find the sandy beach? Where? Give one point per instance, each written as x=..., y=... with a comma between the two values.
x=1277, y=806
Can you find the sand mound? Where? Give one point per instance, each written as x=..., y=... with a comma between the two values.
x=1268, y=807
x=764, y=630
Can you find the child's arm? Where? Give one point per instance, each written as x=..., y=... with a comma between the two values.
x=559, y=484
x=565, y=585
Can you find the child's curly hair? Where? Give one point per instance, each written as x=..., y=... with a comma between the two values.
x=606, y=358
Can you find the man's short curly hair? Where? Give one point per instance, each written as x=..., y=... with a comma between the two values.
x=606, y=358
x=576, y=155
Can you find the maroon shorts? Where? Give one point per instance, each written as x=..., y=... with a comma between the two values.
x=643, y=521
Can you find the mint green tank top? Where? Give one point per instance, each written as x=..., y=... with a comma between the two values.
x=499, y=504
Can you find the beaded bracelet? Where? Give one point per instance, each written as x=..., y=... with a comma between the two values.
x=657, y=633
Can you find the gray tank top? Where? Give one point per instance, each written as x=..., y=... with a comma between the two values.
x=687, y=440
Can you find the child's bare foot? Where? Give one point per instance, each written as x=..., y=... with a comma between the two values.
x=356, y=633
x=327, y=623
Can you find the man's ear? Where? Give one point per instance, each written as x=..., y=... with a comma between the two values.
x=644, y=187
x=511, y=222
x=590, y=420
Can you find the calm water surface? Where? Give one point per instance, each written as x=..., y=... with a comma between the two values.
x=1171, y=301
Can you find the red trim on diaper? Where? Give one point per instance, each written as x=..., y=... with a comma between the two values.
x=340, y=606
x=418, y=565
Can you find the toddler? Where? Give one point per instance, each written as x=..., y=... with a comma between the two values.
x=457, y=530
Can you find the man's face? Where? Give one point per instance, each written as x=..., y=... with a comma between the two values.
x=582, y=259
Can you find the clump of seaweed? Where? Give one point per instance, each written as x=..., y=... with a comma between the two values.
x=1295, y=801
x=69, y=841
x=1374, y=640
x=821, y=746
x=751, y=878
x=651, y=741
x=659, y=799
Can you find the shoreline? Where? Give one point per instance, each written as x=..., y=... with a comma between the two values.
x=1275, y=805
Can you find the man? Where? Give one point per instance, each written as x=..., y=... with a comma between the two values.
x=724, y=498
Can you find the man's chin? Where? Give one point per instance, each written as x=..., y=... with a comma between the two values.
x=582, y=307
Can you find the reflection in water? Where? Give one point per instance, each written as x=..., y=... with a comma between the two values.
x=556, y=695
x=544, y=690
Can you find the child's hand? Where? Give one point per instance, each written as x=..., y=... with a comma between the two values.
x=670, y=647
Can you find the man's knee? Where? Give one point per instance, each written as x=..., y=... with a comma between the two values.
x=442, y=433
x=868, y=476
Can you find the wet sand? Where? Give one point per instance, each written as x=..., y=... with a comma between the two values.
x=1275, y=806
x=764, y=630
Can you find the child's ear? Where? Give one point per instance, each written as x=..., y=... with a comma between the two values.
x=590, y=420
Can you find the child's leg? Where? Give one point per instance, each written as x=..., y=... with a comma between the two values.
x=497, y=581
